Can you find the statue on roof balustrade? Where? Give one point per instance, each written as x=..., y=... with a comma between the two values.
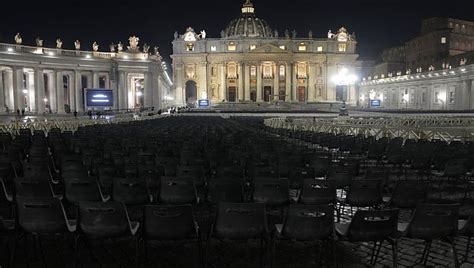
x=18, y=39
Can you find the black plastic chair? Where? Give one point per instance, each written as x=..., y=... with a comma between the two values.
x=361, y=193
x=374, y=226
x=169, y=223
x=131, y=191
x=195, y=172
x=83, y=189
x=307, y=223
x=240, y=221
x=298, y=175
x=408, y=194
x=431, y=222
x=318, y=192
x=178, y=191
x=41, y=216
x=225, y=190
x=467, y=229
x=98, y=220
x=272, y=192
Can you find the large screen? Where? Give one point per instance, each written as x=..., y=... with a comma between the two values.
x=99, y=97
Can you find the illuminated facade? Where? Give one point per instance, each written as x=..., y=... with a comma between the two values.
x=54, y=80
x=251, y=63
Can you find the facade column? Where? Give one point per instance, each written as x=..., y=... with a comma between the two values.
x=288, y=82
x=2, y=91
x=95, y=79
x=247, y=82
x=158, y=92
x=123, y=91
x=276, y=83
x=180, y=86
x=223, y=88
x=18, y=96
x=240, y=97
x=259, y=82
x=39, y=91
x=148, y=92
x=311, y=82
x=52, y=92
x=59, y=92
x=9, y=98
x=79, y=95
x=72, y=92
x=294, y=96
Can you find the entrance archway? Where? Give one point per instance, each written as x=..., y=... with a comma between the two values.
x=301, y=94
x=232, y=94
x=267, y=93
x=191, y=92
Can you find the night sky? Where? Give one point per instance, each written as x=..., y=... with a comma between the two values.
x=378, y=24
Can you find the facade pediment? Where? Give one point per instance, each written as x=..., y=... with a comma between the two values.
x=268, y=48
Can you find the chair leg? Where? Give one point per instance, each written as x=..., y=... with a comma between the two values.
x=272, y=252
x=378, y=252
x=468, y=246
x=394, y=252
x=12, y=252
x=76, y=250
x=137, y=251
x=333, y=249
x=373, y=253
x=455, y=253
x=426, y=252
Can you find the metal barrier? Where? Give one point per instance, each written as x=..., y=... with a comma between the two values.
x=408, y=127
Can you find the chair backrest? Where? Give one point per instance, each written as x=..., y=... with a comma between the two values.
x=455, y=167
x=342, y=177
x=81, y=189
x=364, y=193
x=407, y=194
x=40, y=215
x=433, y=221
x=309, y=222
x=225, y=190
x=240, y=220
x=130, y=191
x=168, y=222
x=178, y=190
x=98, y=219
x=271, y=191
x=33, y=188
x=318, y=192
x=195, y=172
x=373, y=225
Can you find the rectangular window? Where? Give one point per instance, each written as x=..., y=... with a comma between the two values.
x=253, y=71
x=283, y=47
x=213, y=72
x=423, y=97
x=436, y=97
x=282, y=70
x=342, y=47
x=451, y=97
x=232, y=47
x=213, y=48
x=443, y=40
x=267, y=71
x=320, y=49
x=232, y=71
x=252, y=47
x=302, y=47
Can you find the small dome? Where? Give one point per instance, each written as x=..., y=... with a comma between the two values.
x=248, y=25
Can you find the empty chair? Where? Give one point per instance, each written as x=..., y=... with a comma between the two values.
x=432, y=222
x=372, y=226
x=298, y=175
x=318, y=192
x=240, y=221
x=98, y=220
x=33, y=188
x=178, y=191
x=169, y=223
x=42, y=216
x=342, y=177
x=467, y=230
x=408, y=194
x=361, y=193
x=307, y=223
x=131, y=191
x=83, y=189
x=225, y=190
x=195, y=172
x=272, y=192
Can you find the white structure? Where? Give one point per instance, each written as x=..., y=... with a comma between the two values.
x=444, y=89
x=40, y=79
x=251, y=63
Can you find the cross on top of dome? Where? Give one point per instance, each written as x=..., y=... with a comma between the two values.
x=248, y=8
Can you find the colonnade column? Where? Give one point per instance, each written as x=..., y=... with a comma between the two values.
x=72, y=91
x=294, y=96
x=39, y=91
x=123, y=91
x=288, y=82
x=241, y=83
x=18, y=96
x=259, y=82
x=2, y=92
x=59, y=92
x=52, y=92
x=95, y=79
x=276, y=83
x=148, y=94
x=8, y=89
x=78, y=91
x=247, y=82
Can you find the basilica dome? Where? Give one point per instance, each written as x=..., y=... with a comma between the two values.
x=248, y=25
